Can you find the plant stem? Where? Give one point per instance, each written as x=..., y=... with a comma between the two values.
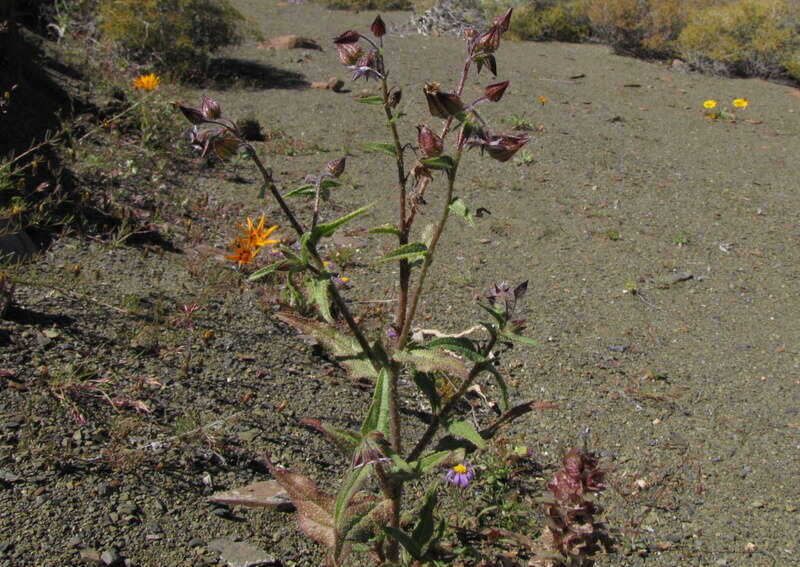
x=451, y=179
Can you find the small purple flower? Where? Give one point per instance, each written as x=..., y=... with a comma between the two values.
x=461, y=474
x=392, y=333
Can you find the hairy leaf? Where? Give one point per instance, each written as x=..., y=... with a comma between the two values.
x=459, y=345
x=302, y=190
x=371, y=100
x=353, y=481
x=385, y=229
x=465, y=430
x=405, y=540
x=378, y=415
x=344, y=440
x=319, y=290
x=258, y=274
x=346, y=349
x=426, y=384
x=328, y=229
x=520, y=339
x=423, y=531
x=444, y=163
x=381, y=147
x=412, y=252
x=425, y=360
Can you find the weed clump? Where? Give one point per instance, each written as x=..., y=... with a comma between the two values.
x=177, y=35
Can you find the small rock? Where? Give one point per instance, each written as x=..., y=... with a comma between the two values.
x=103, y=490
x=196, y=542
x=7, y=476
x=74, y=541
x=332, y=84
x=90, y=556
x=239, y=554
x=110, y=557
x=220, y=512
x=5, y=546
x=266, y=494
x=249, y=435
x=127, y=509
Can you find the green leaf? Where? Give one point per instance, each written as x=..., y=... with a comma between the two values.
x=319, y=290
x=381, y=147
x=360, y=525
x=426, y=384
x=352, y=482
x=329, y=183
x=412, y=252
x=258, y=274
x=371, y=100
x=378, y=415
x=520, y=339
x=344, y=440
x=345, y=348
x=328, y=229
x=423, y=531
x=459, y=345
x=425, y=360
x=487, y=366
x=395, y=118
x=459, y=207
x=465, y=430
x=302, y=190
x=429, y=462
x=443, y=163
x=385, y=229
x=405, y=540
x=499, y=315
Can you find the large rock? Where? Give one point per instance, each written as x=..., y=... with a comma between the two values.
x=265, y=494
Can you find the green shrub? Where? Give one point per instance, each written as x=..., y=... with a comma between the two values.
x=542, y=20
x=176, y=36
x=744, y=37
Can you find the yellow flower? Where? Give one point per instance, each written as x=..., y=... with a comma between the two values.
x=740, y=102
x=710, y=103
x=257, y=235
x=147, y=82
x=543, y=99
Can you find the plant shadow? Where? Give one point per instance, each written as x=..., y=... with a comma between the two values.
x=227, y=73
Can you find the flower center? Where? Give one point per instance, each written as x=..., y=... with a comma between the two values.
x=460, y=469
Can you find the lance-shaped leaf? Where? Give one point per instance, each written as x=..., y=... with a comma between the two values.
x=314, y=507
x=443, y=163
x=377, y=418
x=459, y=207
x=433, y=460
x=344, y=440
x=258, y=274
x=487, y=366
x=412, y=252
x=465, y=430
x=459, y=345
x=499, y=315
x=385, y=229
x=319, y=290
x=328, y=229
x=423, y=531
x=352, y=483
x=405, y=540
x=425, y=360
x=346, y=349
x=363, y=520
x=371, y=100
x=381, y=147
x=520, y=339
x=303, y=190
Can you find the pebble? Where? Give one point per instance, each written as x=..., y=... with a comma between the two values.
x=196, y=542
x=110, y=557
x=126, y=509
x=5, y=546
x=90, y=556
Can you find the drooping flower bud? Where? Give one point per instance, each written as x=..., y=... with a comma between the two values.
x=394, y=98
x=495, y=92
x=192, y=114
x=348, y=53
x=489, y=41
x=210, y=108
x=442, y=105
x=430, y=143
x=503, y=22
x=350, y=36
x=501, y=147
x=336, y=167
x=378, y=27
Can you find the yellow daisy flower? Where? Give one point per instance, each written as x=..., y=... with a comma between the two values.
x=147, y=82
x=710, y=103
x=740, y=102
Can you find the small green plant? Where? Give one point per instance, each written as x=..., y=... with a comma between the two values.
x=713, y=111
x=613, y=234
x=681, y=239
x=631, y=286
x=177, y=36
x=519, y=122
x=525, y=158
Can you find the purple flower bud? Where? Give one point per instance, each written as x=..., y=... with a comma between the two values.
x=378, y=27
x=430, y=143
x=496, y=91
x=336, y=167
x=442, y=105
x=501, y=147
x=192, y=114
x=503, y=22
x=489, y=41
x=350, y=36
